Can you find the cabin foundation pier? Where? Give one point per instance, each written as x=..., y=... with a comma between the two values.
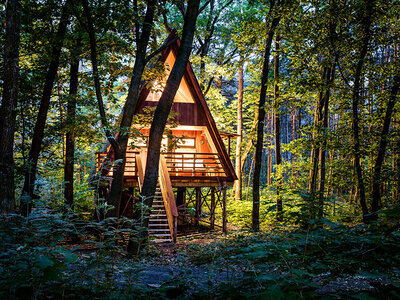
x=212, y=217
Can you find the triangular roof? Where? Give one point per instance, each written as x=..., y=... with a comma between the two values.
x=199, y=99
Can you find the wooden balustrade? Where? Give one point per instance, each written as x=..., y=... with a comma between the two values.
x=194, y=164
x=106, y=164
x=168, y=197
x=140, y=168
x=179, y=164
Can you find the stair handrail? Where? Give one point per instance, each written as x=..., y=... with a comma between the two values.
x=168, y=198
x=141, y=166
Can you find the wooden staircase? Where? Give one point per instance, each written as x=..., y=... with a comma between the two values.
x=159, y=231
x=163, y=222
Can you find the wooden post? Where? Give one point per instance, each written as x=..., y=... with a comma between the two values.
x=229, y=146
x=224, y=220
x=212, y=208
x=175, y=229
x=180, y=196
x=198, y=205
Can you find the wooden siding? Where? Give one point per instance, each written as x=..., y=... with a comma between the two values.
x=187, y=113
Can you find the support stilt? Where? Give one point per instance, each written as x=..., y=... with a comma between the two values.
x=224, y=219
x=212, y=221
x=198, y=205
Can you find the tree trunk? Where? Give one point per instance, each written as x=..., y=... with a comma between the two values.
x=238, y=160
x=120, y=144
x=376, y=195
x=315, y=153
x=30, y=174
x=366, y=22
x=165, y=103
x=260, y=122
x=8, y=106
x=161, y=114
x=325, y=119
x=278, y=155
x=70, y=135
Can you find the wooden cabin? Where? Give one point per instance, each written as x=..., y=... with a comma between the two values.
x=195, y=167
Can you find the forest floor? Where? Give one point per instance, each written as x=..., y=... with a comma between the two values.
x=334, y=262
x=259, y=266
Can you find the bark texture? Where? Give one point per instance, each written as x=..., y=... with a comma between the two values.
x=70, y=135
x=271, y=26
x=376, y=193
x=278, y=154
x=238, y=160
x=8, y=106
x=366, y=27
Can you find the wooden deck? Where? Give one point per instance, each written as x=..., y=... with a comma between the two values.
x=185, y=169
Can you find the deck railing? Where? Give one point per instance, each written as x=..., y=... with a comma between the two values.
x=168, y=198
x=106, y=164
x=186, y=164
x=179, y=164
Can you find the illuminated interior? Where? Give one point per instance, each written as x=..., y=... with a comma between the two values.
x=183, y=94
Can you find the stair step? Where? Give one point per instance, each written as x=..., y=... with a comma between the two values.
x=159, y=225
x=157, y=215
x=160, y=234
x=158, y=230
x=161, y=241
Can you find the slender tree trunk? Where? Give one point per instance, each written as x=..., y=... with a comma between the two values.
x=366, y=23
x=8, y=106
x=278, y=154
x=260, y=122
x=376, y=195
x=130, y=106
x=270, y=129
x=120, y=144
x=315, y=153
x=70, y=135
x=321, y=192
x=162, y=111
x=238, y=163
x=165, y=103
x=397, y=184
x=30, y=174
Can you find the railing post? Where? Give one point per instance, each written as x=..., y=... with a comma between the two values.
x=175, y=228
x=168, y=197
x=224, y=220
x=212, y=208
x=198, y=205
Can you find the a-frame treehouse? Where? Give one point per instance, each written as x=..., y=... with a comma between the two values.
x=195, y=167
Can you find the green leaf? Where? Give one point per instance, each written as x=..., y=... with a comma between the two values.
x=44, y=262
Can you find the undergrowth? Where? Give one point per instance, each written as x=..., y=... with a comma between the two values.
x=55, y=256
x=286, y=264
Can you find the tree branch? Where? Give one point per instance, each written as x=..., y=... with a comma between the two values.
x=96, y=77
x=159, y=50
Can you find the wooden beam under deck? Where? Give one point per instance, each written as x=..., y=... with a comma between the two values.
x=132, y=182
